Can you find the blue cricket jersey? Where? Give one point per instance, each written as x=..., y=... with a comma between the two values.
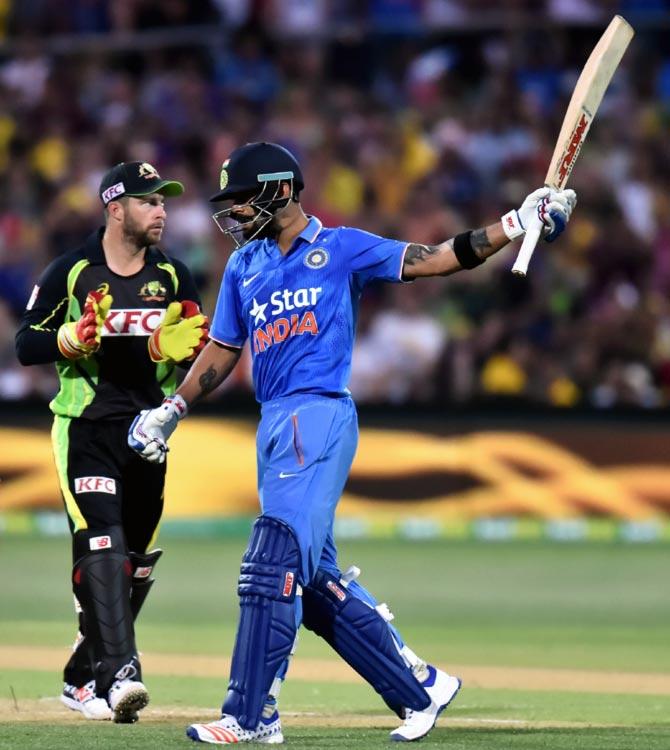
x=299, y=310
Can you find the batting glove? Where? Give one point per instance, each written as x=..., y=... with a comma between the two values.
x=151, y=429
x=182, y=334
x=554, y=207
x=82, y=338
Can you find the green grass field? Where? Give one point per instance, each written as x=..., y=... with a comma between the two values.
x=560, y=646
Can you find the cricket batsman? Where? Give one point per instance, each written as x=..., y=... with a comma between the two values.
x=116, y=316
x=293, y=289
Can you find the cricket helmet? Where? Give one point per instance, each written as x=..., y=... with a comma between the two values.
x=253, y=175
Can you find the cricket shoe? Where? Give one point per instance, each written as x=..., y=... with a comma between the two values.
x=442, y=689
x=227, y=731
x=85, y=700
x=126, y=697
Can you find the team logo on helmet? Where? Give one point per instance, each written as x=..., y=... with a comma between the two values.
x=223, y=179
x=153, y=291
x=317, y=258
x=148, y=171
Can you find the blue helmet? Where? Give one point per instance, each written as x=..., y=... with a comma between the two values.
x=253, y=174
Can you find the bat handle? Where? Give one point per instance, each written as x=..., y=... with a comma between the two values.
x=530, y=239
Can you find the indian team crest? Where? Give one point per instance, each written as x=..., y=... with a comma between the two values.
x=223, y=178
x=317, y=258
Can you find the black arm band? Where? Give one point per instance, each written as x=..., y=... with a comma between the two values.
x=465, y=255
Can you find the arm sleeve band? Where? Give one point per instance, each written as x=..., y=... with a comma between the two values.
x=465, y=255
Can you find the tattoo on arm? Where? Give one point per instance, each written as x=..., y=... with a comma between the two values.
x=479, y=240
x=208, y=380
x=416, y=253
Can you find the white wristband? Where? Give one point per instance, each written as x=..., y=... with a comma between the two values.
x=511, y=224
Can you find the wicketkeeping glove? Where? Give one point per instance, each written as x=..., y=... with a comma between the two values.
x=181, y=335
x=554, y=208
x=151, y=428
x=82, y=337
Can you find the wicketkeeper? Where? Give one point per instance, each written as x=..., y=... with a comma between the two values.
x=116, y=316
x=292, y=290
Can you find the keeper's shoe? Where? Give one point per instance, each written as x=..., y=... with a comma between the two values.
x=442, y=689
x=85, y=700
x=127, y=697
x=227, y=731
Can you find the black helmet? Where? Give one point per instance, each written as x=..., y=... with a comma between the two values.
x=250, y=167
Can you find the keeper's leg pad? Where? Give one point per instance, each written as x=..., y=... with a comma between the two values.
x=78, y=671
x=361, y=636
x=142, y=566
x=101, y=582
x=267, y=628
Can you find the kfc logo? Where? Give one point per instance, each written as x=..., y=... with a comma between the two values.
x=125, y=322
x=113, y=192
x=100, y=542
x=95, y=484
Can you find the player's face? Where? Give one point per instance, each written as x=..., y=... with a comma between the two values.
x=253, y=221
x=144, y=219
x=248, y=217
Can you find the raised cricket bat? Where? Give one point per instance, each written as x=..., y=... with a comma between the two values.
x=586, y=98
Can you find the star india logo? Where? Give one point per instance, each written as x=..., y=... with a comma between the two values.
x=317, y=258
x=257, y=312
x=295, y=320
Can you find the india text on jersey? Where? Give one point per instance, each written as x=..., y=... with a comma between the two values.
x=294, y=324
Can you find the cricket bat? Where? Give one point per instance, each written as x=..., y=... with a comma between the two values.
x=586, y=98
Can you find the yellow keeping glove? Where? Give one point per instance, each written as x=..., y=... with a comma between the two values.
x=82, y=337
x=179, y=337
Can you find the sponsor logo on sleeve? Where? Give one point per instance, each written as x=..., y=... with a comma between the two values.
x=95, y=484
x=143, y=572
x=100, y=542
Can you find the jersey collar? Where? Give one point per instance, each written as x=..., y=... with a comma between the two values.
x=312, y=230
x=96, y=255
x=308, y=234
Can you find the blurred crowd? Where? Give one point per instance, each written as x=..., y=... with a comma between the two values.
x=414, y=119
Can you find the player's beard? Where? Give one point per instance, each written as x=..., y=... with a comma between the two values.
x=134, y=234
x=260, y=228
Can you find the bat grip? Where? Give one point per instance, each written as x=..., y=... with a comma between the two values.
x=530, y=239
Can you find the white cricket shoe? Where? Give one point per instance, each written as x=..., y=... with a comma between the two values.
x=85, y=700
x=227, y=731
x=442, y=689
x=126, y=697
